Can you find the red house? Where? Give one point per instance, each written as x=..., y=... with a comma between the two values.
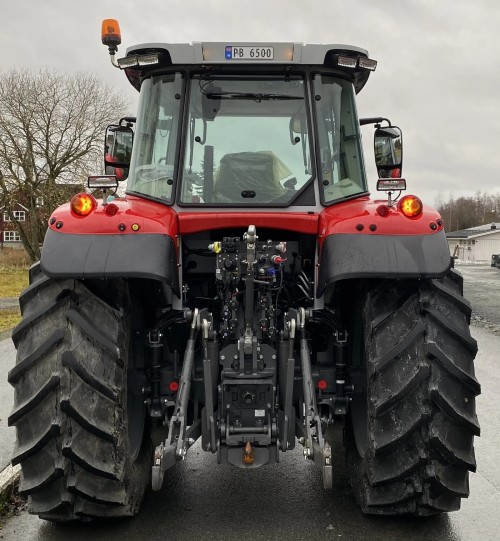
x=9, y=235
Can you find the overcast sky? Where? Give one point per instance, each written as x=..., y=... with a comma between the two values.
x=438, y=76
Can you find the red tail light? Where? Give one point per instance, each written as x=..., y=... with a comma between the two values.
x=322, y=384
x=111, y=209
x=383, y=210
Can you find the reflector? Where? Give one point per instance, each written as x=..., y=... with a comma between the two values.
x=111, y=209
x=383, y=210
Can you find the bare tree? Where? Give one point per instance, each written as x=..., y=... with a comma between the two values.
x=469, y=212
x=51, y=137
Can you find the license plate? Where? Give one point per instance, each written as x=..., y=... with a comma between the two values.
x=249, y=53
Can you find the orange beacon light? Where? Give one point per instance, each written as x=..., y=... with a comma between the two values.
x=110, y=33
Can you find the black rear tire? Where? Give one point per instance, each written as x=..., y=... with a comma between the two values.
x=409, y=435
x=73, y=408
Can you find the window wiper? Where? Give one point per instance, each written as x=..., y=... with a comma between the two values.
x=255, y=96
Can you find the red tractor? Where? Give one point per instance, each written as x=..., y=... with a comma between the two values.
x=246, y=290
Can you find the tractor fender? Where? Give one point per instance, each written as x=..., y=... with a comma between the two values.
x=148, y=255
x=345, y=256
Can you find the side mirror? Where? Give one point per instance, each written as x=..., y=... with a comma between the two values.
x=118, y=146
x=388, y=142
x=121, y=173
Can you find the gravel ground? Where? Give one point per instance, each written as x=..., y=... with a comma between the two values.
x=482, y=290
x=7, y=303
x=481, y=321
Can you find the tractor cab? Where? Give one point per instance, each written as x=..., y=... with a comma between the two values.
x=243, y=125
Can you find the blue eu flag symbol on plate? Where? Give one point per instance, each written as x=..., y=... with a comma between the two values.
x=229, y=52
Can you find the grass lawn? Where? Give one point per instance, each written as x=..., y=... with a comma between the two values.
x=9, y=318
x=14, y=266
x=12, y=282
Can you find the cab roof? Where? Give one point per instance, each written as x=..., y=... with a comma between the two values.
x=216, y=52
x=353, y=60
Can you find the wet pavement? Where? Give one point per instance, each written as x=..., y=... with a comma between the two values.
x=482, y=289
x=7, y=434
x=9, y=303
x=201, y=500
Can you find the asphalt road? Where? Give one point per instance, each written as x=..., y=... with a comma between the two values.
x=7, y=434
x=201, y=500
x=482, y=289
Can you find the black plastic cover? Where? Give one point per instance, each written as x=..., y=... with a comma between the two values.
x=152, y=256
x=382, y=256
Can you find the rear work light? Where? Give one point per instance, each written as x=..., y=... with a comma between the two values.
x=148, y=59
x=347, y=61
x=353, y=62
x=83, y=204
x=411, y=206
x=390, y=185
x=103, y=182
x=139, y=60
x=127, y=62
x=367, y=63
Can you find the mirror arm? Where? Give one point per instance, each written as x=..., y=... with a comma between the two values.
x=374, y=120
x=128, y=120
x=202, y=140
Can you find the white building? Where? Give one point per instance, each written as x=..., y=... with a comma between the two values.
x=475, y=244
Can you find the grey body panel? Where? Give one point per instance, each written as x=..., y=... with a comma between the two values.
x=213, y=52
x=151, y=256
x=382, y=256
